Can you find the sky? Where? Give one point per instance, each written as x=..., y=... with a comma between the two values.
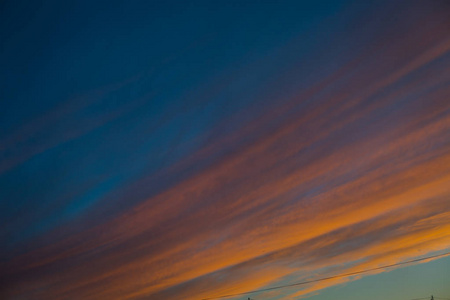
x=196, y=149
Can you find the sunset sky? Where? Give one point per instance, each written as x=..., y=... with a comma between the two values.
x=195, y=149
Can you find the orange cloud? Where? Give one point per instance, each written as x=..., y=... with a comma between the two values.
x=352, y=174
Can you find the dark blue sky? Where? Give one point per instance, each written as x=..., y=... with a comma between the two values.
x=96, y=87
x=220, y=138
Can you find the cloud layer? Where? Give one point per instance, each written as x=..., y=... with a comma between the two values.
x=342, y=170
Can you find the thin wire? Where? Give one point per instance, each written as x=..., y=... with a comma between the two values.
x=429, y=298
x=328, y=278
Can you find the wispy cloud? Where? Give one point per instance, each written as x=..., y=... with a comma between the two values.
x=348, y=174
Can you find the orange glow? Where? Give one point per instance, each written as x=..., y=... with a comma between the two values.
x=353, y=173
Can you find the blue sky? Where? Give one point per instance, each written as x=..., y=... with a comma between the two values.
x=189, y=149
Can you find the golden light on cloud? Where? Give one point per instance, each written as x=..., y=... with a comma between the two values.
x=350, y=172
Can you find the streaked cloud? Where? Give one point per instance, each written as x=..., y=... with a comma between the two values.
x=208, y=197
